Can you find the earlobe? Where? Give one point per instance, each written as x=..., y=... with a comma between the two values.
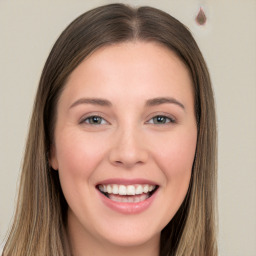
x=54, y=164
x=52, y=158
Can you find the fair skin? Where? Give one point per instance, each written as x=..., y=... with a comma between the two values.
x=133, y=140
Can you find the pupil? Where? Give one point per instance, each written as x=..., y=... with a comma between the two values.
x=96, y=120
x=160, y=119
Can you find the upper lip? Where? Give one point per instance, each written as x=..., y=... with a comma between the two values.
x=120, y=181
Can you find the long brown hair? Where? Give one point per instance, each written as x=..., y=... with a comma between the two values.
x=39, y=224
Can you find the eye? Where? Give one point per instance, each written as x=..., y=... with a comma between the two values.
x=160, y=119
x=94, y=120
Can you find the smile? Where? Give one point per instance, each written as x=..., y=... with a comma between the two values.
x=127, y=193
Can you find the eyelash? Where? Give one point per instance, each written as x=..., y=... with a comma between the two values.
x=90, y=118
x=171, y=119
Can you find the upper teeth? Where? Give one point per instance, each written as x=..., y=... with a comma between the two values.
x=126, y=190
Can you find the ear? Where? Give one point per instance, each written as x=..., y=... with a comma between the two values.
x=53, y=161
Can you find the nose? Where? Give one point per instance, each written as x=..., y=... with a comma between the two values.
x=128, y=149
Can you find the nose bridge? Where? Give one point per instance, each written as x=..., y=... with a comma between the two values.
x=128, y=148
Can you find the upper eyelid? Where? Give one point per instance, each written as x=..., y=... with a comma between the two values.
x=88, y=115
x=172, y=120
x=172, y=117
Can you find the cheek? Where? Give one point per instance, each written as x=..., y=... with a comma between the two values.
x=77, y=157
x=176, y=159
x=78, y=154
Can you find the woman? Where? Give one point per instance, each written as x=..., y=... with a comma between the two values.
x=121, y=152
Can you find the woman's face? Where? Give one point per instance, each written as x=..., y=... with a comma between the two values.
x=125, y=126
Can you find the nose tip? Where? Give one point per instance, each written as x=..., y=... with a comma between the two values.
x=127, y=159
x=128, y=152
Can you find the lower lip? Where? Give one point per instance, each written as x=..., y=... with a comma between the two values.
x=128, y=208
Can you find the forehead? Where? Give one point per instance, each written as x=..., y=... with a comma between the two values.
x=133, y=69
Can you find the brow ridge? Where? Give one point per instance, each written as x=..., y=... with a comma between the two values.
x=149, y=103
x=93, y=101
x=163, y=100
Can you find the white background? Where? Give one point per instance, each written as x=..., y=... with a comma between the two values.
x=28, y=30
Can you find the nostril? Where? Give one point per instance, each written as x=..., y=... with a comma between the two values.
x=127, y=164
x=118, y=163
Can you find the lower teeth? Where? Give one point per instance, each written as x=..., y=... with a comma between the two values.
x=128, y=199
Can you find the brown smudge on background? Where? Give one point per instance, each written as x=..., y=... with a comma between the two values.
x=201, y=17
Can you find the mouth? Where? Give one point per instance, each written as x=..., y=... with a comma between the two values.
x=127, y=193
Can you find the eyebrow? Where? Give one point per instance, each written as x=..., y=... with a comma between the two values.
x=92, y=101
x=163, y=100
x=107, y=103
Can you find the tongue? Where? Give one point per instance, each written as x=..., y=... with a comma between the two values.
x=128, y=199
